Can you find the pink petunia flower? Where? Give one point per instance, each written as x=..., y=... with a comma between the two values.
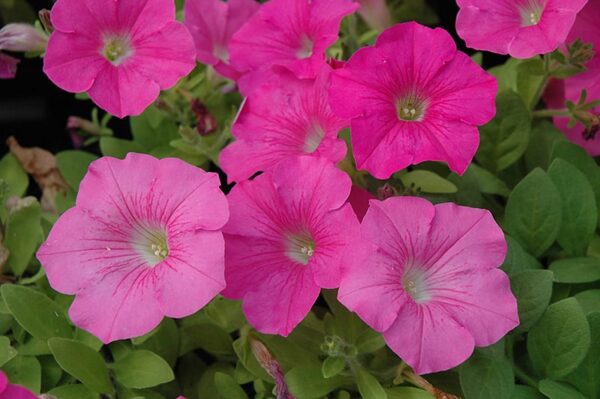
x=587, y=29
x=286, y=117
x=427, y=277
x=412, y=97
x=290, y=33
x=520, y=28
x=212, y=24
x=11, y=391
x=8, y=66
x=142, y=242
x=284, y=240
x=122, y=53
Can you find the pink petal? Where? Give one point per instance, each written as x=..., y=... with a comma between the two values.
x=86, y=17
x=3, y=381
x=359, y=199
x=17, y=392
x=144, y=18
x=8, y=66
x=428, y=339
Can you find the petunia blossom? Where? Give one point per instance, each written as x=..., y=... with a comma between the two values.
x=8, y=66
x=587, y=29
x=212, y=24
x=285, y=239
x=427, y=277
x=290, y=33
x=520, y=28
x=412, y=97
x=122, y=53
x=137, y=247
x=12, y=391
x=286, y=117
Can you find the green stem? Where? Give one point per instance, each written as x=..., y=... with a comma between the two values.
x=540, y=90
x=549, y=113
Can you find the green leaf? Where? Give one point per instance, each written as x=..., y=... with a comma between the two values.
x=23, y=235
x=74, y=391
x=332, y=366
x=579, y=158
x=14, y=176
x=558, y=343
x=533, y=212
x=517, y=260
x=544, y=135
x=118, y=148
x=307, y=382
x=407, y=393
x=533, y=290
x=228, y=388
x=488, y=183
x=164, y=342
x=206, y=386
x=579, y=212
x=153, y=129
x=207, y=336
x=576, y=270
x=586, y=377
x=73, y=165
x=7, y=352
x=368, y=386
x=530, y=76
x=589, y=301
x=26, y=371
x=486, y=376
x=35, y=312
x=82, y=362
x=525, y=392
x=142, y=369
x=51, y=371
x=428, y=182
x=559, y=390
x=505, y=139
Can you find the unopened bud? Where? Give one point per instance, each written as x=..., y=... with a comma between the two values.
x=376, y=14
x=386, y=191
x=8, y=66
x=22, y=37
x=580, y=53
x=205, y=121
x=46, y=21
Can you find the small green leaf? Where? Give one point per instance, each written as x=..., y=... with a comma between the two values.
x=544, y=135
x=517, y=260
x=332, y=366
x=164, y=342
x=579, y=211
x=26, y=371
x=530, y=75
x=428, y=182
x=73, y=165
x=23, y=235
x=486, y=376
x=142, y=369
x=207, y=336
x=118, y=148
x=7, y=352
x=228, y=388
x=525, y=392
x=559, y=341
x=559, y=390
x=576, y=270
x=307, y=382
x=533, y=290
x=408, y=393
x=35, y=312
x=586, y=377
x=533, y=212
x=74, y=391
x=488, y=183
x=14, y=176
x=82, y=362
x=589, y=301
x=368, y=386
x=153, y=129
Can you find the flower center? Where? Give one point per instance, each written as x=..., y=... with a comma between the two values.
x=531, y=12
x=413, y=282
x=221, y=53
x=305, y=49
x=151, y=243
x=117, y=49
x=410, y=108
x=300, y=248
x=313, y=138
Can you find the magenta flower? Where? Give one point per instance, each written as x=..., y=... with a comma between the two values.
x=142, y=242
x=11, y=391
x=284, y=118
x=521, y=28
x=427, y=277
x=122, y=53
x=412, y=97
x=587, y=29
x=8, y=66
x=289, y=33
x=284, y=240
x=212, y=24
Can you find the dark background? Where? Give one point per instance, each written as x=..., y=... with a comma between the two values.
x=35, y=111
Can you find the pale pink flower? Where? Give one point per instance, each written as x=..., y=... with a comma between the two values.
x=142, y=242
x=286, y=117
x=122, y=53
x=376, y=14
x=427, y=277
x=290, y=33
x=587, y=29
x=284, y=240
x=11, y=391
x=412, y=97
x=212, y=24
x=520, y=28
x=22, y=37
x=8, y=66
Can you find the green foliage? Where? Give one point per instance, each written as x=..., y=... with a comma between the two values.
x=142, y=369
x=487, y=374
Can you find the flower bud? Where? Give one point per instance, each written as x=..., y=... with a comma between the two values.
x=205, y=121
x=8, y=66
x=376, y=14
x=22, y=38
